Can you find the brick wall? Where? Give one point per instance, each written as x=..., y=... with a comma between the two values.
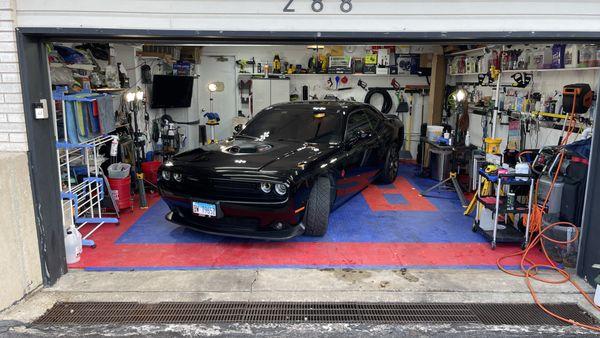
x=12, y=117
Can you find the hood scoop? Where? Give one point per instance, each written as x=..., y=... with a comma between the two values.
x=249, y=148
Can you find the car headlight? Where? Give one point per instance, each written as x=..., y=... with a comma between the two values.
x=266, y=187
x=166, y=175
x=280, y=189
x=178, y=177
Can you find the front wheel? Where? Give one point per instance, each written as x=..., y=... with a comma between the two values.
x=316, y=217
x=390, y=171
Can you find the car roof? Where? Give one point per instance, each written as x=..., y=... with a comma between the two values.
x=329, y=105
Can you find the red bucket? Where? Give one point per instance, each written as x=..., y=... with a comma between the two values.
x=150, y=170
x=121, y=192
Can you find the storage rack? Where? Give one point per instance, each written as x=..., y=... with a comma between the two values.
x=509, y=233
x=81, y=202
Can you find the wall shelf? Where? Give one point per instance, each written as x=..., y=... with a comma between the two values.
x=512, y=71
x=549, y=70
x=308, y=75
x=465, y=74
x=469, y=51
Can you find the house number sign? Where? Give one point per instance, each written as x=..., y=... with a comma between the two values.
x=318, y=6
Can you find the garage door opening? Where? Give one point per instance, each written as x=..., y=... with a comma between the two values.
x=468, y=114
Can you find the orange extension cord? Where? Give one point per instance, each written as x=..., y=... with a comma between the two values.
x=529, y=273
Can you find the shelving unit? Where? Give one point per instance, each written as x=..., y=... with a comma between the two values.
x=81, y=201
x=504, y=232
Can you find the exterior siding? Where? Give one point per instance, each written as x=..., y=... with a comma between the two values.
x=12, y=119
x=268, y=15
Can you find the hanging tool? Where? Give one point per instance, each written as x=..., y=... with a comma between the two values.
x=396, y=85
x=337, y=82
x=362, y=84
x=329, y=83
x=522, y=80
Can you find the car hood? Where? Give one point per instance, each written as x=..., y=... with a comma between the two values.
x=253, y=155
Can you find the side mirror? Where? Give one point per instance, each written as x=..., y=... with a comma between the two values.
x=237, y=129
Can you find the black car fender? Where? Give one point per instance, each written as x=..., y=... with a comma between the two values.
x=398, y=126
x=309, y=181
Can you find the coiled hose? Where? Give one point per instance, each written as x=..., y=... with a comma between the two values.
x=387, y=98
x=529, y=269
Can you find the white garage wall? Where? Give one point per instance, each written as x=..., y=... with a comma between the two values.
x=367, y=15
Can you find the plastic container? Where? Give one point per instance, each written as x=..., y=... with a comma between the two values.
x=119, y=170
x=492, y=145
x=150, y=170
x=522, y=169
x=571, y=56
x=121, y=192
x=434, y=132
x=73, y=246
x=554, y=202
x=597, y=295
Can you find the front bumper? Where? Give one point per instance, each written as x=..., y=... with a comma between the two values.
x=234, y=231
x=272, y=221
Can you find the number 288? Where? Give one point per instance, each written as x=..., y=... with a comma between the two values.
x=318, y=6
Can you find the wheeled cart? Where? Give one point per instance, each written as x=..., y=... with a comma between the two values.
x=493, y=195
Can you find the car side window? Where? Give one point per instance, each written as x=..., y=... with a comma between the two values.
x=360, y=121
x=376, y=118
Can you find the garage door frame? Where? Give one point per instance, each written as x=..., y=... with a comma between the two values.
x=40, y=133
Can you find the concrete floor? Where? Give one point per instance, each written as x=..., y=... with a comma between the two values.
x=290, y=285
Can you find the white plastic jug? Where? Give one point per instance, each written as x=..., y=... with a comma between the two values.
x=73, y=246
x=522, y=169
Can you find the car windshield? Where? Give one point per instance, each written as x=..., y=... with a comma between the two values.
x=295, y=124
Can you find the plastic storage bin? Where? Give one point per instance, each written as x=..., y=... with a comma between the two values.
x=121, y=192
x=118, y=170
x=150, y=170
x=492, y=145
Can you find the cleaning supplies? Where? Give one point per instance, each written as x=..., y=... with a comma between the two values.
x=571, y=56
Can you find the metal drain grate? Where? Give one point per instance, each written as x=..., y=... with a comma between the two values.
x=280, y=312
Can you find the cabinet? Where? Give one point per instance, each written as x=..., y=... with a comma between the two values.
x=266, y=92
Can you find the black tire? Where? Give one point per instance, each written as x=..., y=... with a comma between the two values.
x=390, y=170
x=316, y=217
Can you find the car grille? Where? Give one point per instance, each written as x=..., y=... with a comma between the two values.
x=224, y=190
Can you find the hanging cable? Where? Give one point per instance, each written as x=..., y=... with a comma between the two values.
x=387, y=98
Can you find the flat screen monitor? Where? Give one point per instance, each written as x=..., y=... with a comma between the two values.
x=169, y=91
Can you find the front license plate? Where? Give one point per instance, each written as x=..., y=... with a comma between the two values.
x=204, y=209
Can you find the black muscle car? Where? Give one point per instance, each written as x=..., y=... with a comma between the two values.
x=282, y=174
